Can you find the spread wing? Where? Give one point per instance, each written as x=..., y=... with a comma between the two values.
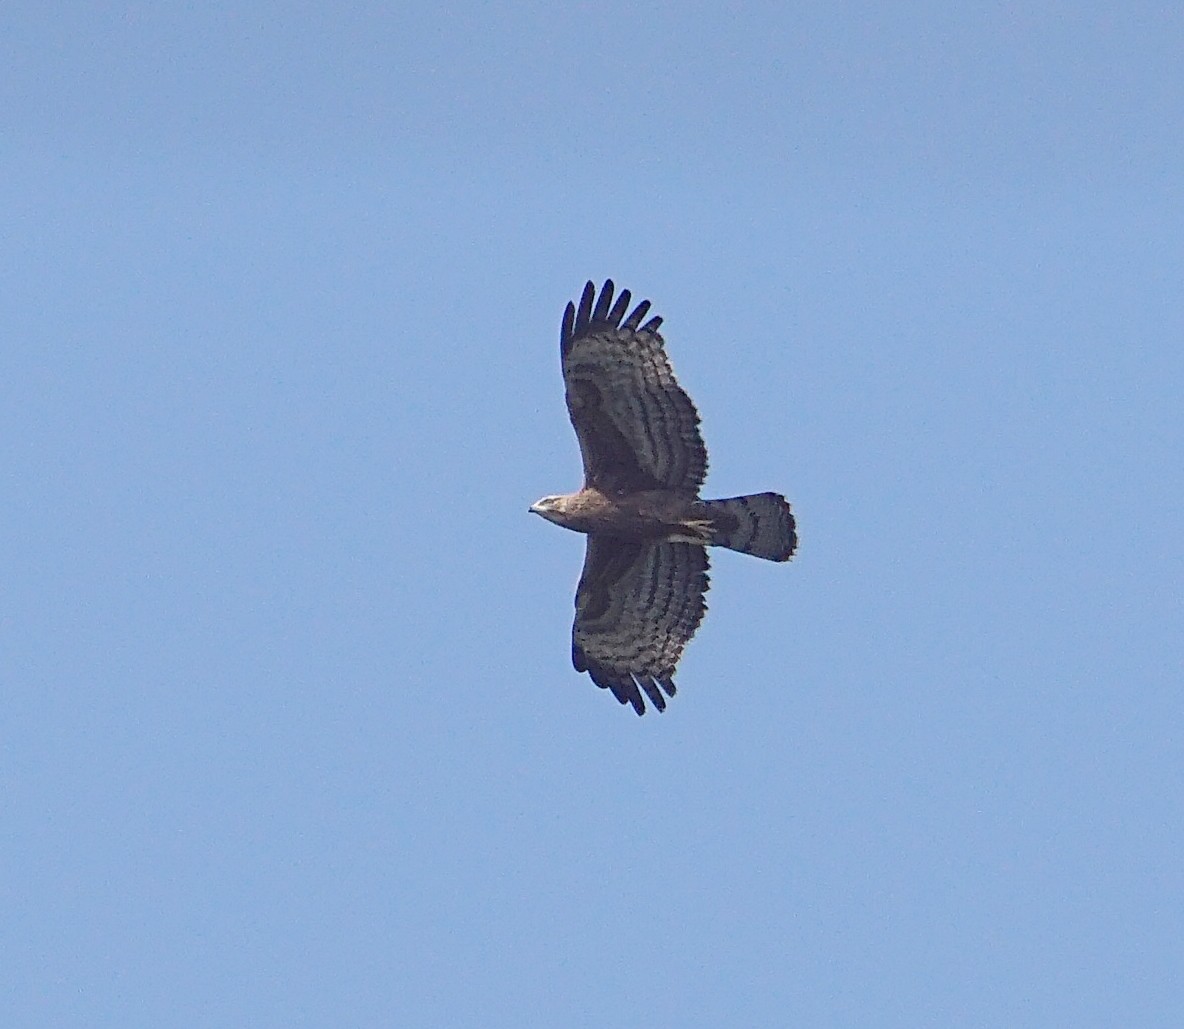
x=637, y=606
x=637, y=429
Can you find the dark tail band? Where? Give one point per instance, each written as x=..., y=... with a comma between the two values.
x=761, y=524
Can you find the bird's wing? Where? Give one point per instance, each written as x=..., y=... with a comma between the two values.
x=636, y=426
x=637, y=606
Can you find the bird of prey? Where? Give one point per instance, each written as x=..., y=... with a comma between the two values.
x=640, y=597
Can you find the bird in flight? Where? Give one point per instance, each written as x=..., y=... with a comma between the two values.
x=640, y=596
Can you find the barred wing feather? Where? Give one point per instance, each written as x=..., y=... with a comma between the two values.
x=638, y=604
x=637, y=428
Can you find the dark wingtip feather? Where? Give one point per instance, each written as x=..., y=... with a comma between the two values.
x=622, y=685
x=585, y=312
x=569, y=324
x=639, y=312
x=619, y=308
x=651, y=690
x=596, y=312
x=603, y=303
x=628, y=693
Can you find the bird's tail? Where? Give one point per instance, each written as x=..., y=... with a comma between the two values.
x=760, y=524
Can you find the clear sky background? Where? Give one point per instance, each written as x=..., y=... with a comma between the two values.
x=289, y=733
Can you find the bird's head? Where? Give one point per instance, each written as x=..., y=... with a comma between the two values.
x=551, y=508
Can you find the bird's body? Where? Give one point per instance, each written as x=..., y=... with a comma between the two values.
x=640, y=597
x=646, y=514
x=664, y=515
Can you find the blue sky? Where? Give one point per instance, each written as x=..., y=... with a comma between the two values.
x=290, y=734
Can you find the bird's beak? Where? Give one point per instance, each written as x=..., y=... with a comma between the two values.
x=534, y=509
